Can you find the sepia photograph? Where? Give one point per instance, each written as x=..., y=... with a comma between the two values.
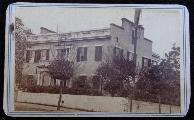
x=90, y=59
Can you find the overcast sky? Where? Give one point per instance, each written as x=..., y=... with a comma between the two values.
x=163, y=27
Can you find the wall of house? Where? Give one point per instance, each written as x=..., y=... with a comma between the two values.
x=144, y=49
x=86, y=68
x=124, y=35
x=120, y=36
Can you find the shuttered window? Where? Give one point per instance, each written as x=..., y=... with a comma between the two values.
x=146, y=62
x=47, y=55
x=130, y=56
x=28, y=56
x=37, y=56
x=63, y=53
x=82, y=54
x=98, y=53
x=118, y=52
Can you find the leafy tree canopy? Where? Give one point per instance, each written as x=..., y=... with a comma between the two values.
x=61, y=69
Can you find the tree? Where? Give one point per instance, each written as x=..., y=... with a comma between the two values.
x=152, y=83
x=114, y=73
x=20, y=47
x=172, y=59
x=63, y=70
x=162, y=80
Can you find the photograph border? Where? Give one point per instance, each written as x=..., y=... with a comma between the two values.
x=9, y=63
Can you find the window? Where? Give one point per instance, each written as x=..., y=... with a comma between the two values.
x=117, y=39
x=67, y=51
x=118, y=52
x=28, y=56
x=37, y=56
x=82, y=54
x=98, y=53
x=130, y=56
x=59, y=54
x=146, y=62
x=154, y=62
x=47, y=54
x=62, y=53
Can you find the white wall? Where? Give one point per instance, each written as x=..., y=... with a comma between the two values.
x=88, y=103
x=95, y=103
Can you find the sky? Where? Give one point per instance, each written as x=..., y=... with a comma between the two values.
x=163, y=27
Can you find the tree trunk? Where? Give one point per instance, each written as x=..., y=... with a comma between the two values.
x=170, y=108
x=60, y=95
x=170, y=102
x=131, y=103
x=100, y=89
x=131, y=100
x=159, y=103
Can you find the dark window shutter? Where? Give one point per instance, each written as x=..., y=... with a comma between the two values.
x=85, y=53
x=142, y=61
x=149, y=62
x=121, y=53
x=96, y=53
x=100, y=53
x=127, y=55
x=78, y=54
x=47, y=54
x=114, y=51
x=27, y=56
x=37, y=56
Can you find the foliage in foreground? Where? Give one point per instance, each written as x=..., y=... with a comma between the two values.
x=113, y=75
x=20, y=47
x=161, y=81
x=61, y=69
x=65, y=90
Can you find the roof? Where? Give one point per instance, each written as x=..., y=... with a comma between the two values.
x=47, y=30
x=148, y=40
x=125, y=19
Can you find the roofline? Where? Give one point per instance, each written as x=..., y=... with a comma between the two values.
x=71, y=32
x=87, y=30
x=128, y=20
x=117, y=26
x=70, y=40
x=139, y=26
x=148, y=40
x=47, y=29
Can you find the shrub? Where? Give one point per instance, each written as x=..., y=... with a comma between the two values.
x=56, y=89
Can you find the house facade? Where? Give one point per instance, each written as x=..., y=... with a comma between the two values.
x=88, y=49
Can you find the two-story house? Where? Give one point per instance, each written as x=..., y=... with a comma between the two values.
x=86, y=48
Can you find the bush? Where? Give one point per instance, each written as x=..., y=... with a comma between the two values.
x=81, y=83
x=56, y=89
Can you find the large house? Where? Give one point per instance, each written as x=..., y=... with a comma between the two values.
x=87, y=48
